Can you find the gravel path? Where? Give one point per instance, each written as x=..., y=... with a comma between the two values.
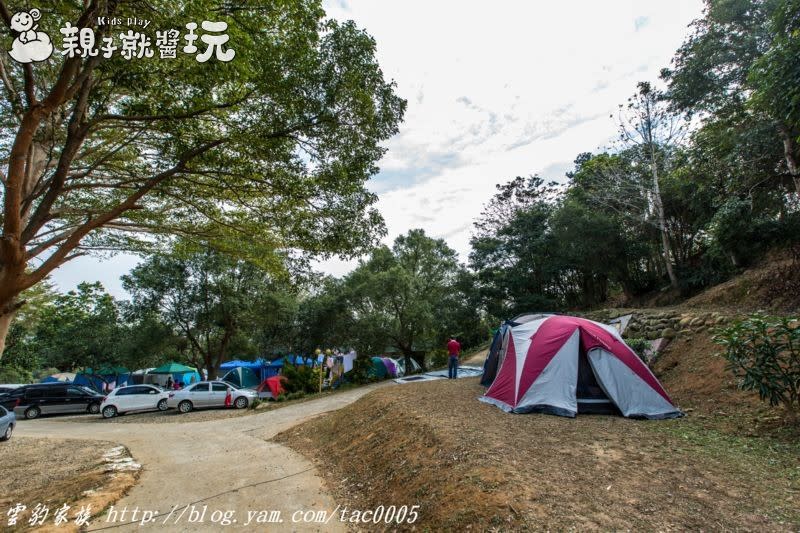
x=225, y=464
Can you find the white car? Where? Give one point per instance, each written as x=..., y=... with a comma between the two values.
x=210, y=394
x=134, y=398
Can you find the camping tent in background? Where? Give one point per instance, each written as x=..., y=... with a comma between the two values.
x=180, y=373
x=300, y=360
x=565, y=365
x=62, y=377
x=104, y=378
x=391, y=368
x=400, y=363
x=378, y=369
x=139, y=376
x=272, y=387
x=272, y=368
x=242, y=376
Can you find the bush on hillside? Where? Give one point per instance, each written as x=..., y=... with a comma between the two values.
x=13, y=374
x=764, y=354
x=438, y=358
x=301, y=378
x=361, y=371
x=639, y=345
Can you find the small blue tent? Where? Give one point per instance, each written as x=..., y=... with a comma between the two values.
x=104, y=378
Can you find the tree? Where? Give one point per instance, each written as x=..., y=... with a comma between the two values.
x=398, y=295
x=212, y=301
x=741, y=60
x=324, y=317
x=511, y=197
x=22, y=353
x=653, y=132
x=775, y=77
x=80, y=329
x=510, y=249
x=264, y=153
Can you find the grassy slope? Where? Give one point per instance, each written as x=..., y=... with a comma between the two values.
x=730, y=464
x=469, y=464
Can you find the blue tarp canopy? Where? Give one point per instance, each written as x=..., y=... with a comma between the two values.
x=104, y=378
x=299, y=360
x=238, y=363
x=261, y=367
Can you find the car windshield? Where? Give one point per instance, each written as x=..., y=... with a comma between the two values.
x=229, y=384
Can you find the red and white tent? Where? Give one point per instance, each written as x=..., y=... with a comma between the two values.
x=564, y=365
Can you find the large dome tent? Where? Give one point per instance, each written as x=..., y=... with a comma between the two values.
x=564, y=365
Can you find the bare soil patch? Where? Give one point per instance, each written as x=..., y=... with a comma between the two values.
x=54, y=472
x=470, y=465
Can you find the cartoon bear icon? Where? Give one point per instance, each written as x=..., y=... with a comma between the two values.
x=30, y=45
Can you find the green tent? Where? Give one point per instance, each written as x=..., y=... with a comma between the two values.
x=109, y=370
x=378, y=369
x=172, y=368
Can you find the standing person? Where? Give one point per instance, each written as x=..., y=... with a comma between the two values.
x=453, y=350
x=169, y=383
x=228, y=397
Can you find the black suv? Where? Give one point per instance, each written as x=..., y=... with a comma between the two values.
x=31, y=401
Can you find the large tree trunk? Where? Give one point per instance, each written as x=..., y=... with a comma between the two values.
x=5, y=326
x=791, y=151
x=666, y=247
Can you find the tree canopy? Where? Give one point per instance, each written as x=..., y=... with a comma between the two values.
x=265, y=155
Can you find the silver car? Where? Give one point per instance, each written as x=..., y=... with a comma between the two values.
x=210, y=394
x=7, y=422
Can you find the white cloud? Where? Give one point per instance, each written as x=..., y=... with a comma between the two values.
x=494, y=91
x=515, y=89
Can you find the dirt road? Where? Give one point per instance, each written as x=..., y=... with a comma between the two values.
x=225, y=465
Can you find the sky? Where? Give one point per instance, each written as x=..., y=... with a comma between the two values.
x=518, y=88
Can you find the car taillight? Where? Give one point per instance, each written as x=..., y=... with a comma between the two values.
x=19, y=401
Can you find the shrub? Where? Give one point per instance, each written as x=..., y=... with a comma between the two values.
x=13, y=374
x=295, y=395
x=639, y=345
x=361, y=371
x=301, y=378
x=764, y=354
x=438, y=358
x=255, y=403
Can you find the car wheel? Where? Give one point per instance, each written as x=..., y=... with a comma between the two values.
x=162, y=405
x=94, y=408
x=185, y=406
x=241, y=402
x=9, y=431
x=109, y=411
x=32, y=412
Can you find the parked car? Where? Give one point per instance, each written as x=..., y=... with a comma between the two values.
x=7, y=422
x=31, y=401
x=210, y=394
x=134, y=398
x=8, y=387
